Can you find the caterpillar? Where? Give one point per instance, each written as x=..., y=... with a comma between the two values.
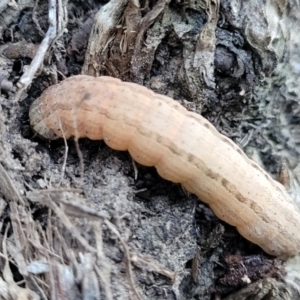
x=183, y=146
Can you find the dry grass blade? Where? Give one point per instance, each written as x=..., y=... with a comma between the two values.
x=127, y=258
x=144, y=262
x=103, y=269
x=90, y=284
x=14, y=291
x=7, y=187
x=49, y=201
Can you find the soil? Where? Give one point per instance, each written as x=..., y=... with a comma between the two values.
x=117, y=230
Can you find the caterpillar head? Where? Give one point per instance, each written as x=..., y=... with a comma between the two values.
x=37, y=121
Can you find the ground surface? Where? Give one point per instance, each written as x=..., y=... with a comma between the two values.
x=117, y=235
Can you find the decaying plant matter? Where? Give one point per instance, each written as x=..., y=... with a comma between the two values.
x=117, y=230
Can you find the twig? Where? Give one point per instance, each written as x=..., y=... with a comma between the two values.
x=103, y=271
x=42, y=250
x=127, y=257
x=63, y=168
x=70, y=227
x=27, y=77
x=35, y=19
x=142, y=261
x=40, y=290
x=8, y=188
x=59, y=191
x=135, y=169
x=79, y=153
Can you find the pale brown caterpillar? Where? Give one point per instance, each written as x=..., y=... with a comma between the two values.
x=183, y=146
